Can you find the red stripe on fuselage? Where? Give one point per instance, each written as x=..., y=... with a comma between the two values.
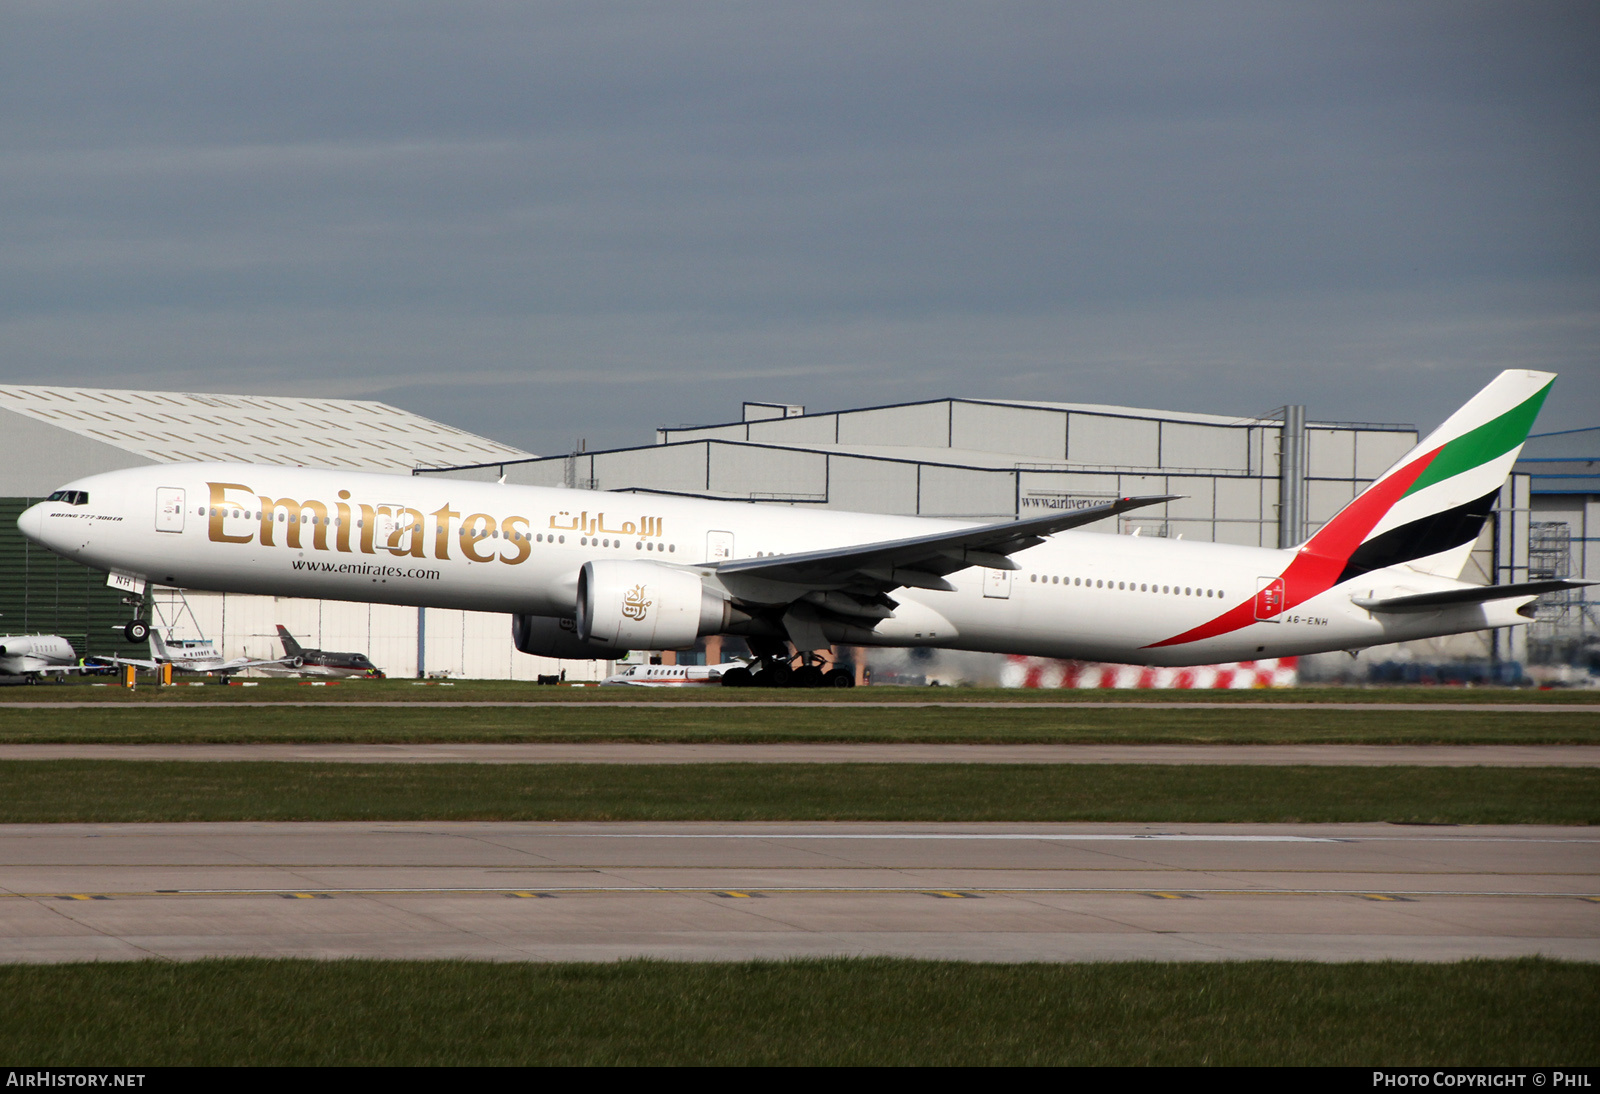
x=1318, y=564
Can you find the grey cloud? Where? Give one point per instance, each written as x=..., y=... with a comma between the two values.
x=647, y=213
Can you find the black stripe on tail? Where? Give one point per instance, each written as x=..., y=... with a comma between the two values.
x=1421, y=538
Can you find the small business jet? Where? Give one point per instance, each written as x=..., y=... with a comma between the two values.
x=730, y=674
x=190, y=655
x=587, y=574
x=299, y=661
x=33, y=656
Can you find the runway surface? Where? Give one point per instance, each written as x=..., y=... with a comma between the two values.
x=1000, y=892
x=535, y=753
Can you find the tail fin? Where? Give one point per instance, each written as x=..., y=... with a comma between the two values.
x=1426, y=511
x=291, y=648
x=159, y=646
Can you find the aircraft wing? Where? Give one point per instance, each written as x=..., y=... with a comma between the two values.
x=246, y=663
x=921, y=562
x=1454, y=598
x=116, y=660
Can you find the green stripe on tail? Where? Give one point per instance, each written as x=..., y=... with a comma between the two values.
x=1491, y=439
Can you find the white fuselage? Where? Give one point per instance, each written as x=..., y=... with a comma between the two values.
x=35, y=654
x=451, y=543
x=670, y=676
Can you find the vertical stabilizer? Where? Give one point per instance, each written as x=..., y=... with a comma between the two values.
x=1426, y=511
x=291, y=648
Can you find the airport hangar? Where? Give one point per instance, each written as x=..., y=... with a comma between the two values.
x=1264, y=479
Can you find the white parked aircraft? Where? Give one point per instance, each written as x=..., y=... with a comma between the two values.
x=734, y=673
x=35, y=655
x=191, y=655
x=588, y=574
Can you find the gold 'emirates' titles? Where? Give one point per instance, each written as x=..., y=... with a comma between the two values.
x=403, y=531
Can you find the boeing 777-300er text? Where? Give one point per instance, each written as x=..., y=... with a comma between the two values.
x=589, y=574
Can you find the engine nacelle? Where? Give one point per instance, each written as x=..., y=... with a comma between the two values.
x=543, y=636
x=646, y=606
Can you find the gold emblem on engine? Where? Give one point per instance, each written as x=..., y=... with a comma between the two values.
x=634, y=604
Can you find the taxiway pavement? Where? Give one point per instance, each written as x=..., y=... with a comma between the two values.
x=996, y=892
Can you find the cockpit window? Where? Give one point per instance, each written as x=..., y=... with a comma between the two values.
x=71, y=497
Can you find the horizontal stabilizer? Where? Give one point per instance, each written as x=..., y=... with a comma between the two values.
x=1453, y=598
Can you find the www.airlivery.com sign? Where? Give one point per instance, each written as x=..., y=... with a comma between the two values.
x=1036, y=502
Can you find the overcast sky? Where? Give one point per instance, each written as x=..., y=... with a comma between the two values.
x=547, y=221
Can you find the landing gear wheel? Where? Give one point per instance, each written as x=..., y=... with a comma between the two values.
x=774, y=675
x=136, y=631
x=738, y=678
x=806, y=676
x=838, y=678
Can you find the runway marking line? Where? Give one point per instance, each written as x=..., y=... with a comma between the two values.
x=946, y=894
x=1184, y=894
x=532, y=896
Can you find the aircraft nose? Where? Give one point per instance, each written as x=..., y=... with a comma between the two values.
x=31, y=523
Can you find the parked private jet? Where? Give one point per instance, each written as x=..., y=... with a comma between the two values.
x=32, y=656
x=587, y=574
x=731, y=674
x=191, y=655
x=299, y=661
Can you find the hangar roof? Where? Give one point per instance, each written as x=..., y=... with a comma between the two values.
x=169, y=426
x=50, y=434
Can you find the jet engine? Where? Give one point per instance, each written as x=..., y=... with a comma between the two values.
x=647, y=606
x=543, y=636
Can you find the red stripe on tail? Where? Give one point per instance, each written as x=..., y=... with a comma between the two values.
x=1318, y=564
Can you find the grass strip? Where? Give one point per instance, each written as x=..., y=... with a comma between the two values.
x=133, y=791
x=518, y=691
x=838, y=1011
x=1004, y=725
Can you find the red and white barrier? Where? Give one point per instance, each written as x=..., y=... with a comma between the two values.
x=1039, y=672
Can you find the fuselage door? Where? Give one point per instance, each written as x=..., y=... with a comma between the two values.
x=169, y=509
x=719, y=546
x=997, y=584
x=1269, y=599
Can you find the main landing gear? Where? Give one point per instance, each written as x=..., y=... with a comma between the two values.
x=778, y=668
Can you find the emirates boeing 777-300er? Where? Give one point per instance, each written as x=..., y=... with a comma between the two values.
x=589, y=574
